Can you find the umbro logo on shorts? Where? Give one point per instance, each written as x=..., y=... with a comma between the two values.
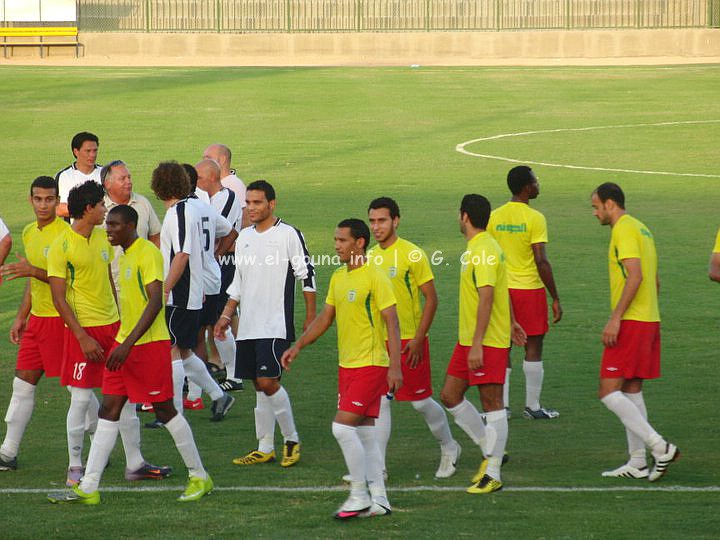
x=420, y=391
x=612, y=369
x=358, y=404
x=479, y=373
x=154, y=392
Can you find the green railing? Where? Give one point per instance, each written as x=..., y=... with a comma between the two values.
x=390, y=15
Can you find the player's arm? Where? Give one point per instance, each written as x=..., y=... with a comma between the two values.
x=546, y=275
x=154, y=304
x=310, y=298
x=305, y=271
x=485, y=302
x=90, y=348
x=5, y=247
x=517, y=332
x=315, y=329
x=225, y=243
x=633, y=271
x=225, y=318
x=22, y=268
x=18, y=326
x=714, y=271
x=394, y=376
x=414, y=347
x=177, y=267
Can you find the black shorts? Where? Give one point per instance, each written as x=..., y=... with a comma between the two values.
x=211, y=310
x=227, y=273
x=259, y=358
x=184, y=325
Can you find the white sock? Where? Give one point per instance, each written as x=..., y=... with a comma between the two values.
x=636, y=446
x=100, y=449
x=91, y=417
x=373, y=464
x=129, y=426
x=497, y=420
x=194, y=391
x=633, y=420
x=178, y=376
x=383, y=427
x=18, y=416
x=181, y=433
x=79, y=403
x=468, y=418
x=264, y=423
x=437, y=421
x=282, y=409
x=534, y=373
x=226, y=349
x=354, y=454
x=506, y=388
x=196, y=372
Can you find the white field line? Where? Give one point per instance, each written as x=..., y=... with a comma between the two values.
x=413, y=489
x=461, y=148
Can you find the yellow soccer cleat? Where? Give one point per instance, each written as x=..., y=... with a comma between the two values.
x=197, y=488
x=483, y=468
x=74, y=495
x=255, y=457
x=487, y=484
x=291, y=454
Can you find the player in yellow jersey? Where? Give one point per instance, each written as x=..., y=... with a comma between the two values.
x=521, y=232
x=409, y=271
x=138, y=368
x=485, y=329
x=714, y=271
x=37, y=329
x=632, y=334
x=361, y=298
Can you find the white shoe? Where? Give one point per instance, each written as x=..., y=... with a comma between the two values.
x=375, y=510
x=663, y=461
x=448, y=462
x=354, y=506
x=627, y=471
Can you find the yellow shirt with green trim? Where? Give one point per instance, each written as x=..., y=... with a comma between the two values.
x=716, y=249
x=516, y=227
x=631, y=239
x=138, y=266
x=408, y=268
x=84, y=265
x=37, y=246
x=358, y=297
x=483, y=264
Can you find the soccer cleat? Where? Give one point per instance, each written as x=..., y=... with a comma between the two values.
x=74, y=475
x=193, y=405
x=375, y=510
x=197, y=488
x=255, y=457
x=354, y=506
x=155, y=424
x=148, y=472
x=487, y=484
x=144, y=407
x=541, y=414
x=627, y=471
x=232, y=385
x=221, y=406
x=672, y=453
x=8, y=464
x=448, y=463
x=291, y=454
x=74, y=495
x=483, y=468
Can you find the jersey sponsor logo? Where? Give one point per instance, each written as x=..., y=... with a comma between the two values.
x=351, y=295
x=392, y=271
x=511, y=227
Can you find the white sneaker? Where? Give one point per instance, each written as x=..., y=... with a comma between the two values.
x=448, y=462
x=354, y=506
x=375, y=510
x=663, y=461
x=627, y=471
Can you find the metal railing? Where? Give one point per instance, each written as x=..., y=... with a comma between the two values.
x=390, y=15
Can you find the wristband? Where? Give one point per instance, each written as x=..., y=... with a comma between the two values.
x=226, y=317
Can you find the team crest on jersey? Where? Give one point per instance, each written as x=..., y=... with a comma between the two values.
x=105, y=256
x=128, y=273
x=393, y=271
x=351, y=295
x=46, y=251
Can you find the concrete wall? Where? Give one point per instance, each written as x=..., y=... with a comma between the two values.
x=426, y=48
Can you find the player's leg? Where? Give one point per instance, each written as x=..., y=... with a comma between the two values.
x=506, y=387
x=636, y=466
x=383, y=428
x=17, y=417
x=496, y=417
x=534, y=371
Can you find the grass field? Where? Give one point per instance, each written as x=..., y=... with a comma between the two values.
x=332, y=139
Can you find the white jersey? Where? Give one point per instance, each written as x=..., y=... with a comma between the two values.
x=70, y=177
x=228, y=204
x=181, y=234
x=202, y=195
x=212, y=226
x=266, y=267
x=231, y=181
x=4, y=231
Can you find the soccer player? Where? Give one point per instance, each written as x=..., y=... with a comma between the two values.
x=269, y=256
x=361, y=297
x=714, y=270
x=138, y=367
x=632, y=335
x=222, y=155
x=78, y=272
x=84, y=147
x=409, y=271
x=483, y=347
x=5, y=243
x=41, y=336
x=181, y=243
x=521, y=232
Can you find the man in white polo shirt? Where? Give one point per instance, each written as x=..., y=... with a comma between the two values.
x=84, y=147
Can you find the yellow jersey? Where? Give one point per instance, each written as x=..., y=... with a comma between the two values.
x=517, y=227
x=37, y=245
x=630, y=239
x=408, y=268
x=84, y=265
x=716, y=249
x=483, y=264
x=358, y=297
x=138, y=266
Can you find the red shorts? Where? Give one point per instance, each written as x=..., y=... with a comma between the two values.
x=531, y=310
x=636, y=354
x=493, y=370
x=41, y=345
x=145, y=376
x=360, y=390
x=417, y=382
x=76, y=369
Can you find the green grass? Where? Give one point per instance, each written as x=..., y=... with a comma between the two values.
x=332, y=139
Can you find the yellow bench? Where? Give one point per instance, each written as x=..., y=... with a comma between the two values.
x=45, y=36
